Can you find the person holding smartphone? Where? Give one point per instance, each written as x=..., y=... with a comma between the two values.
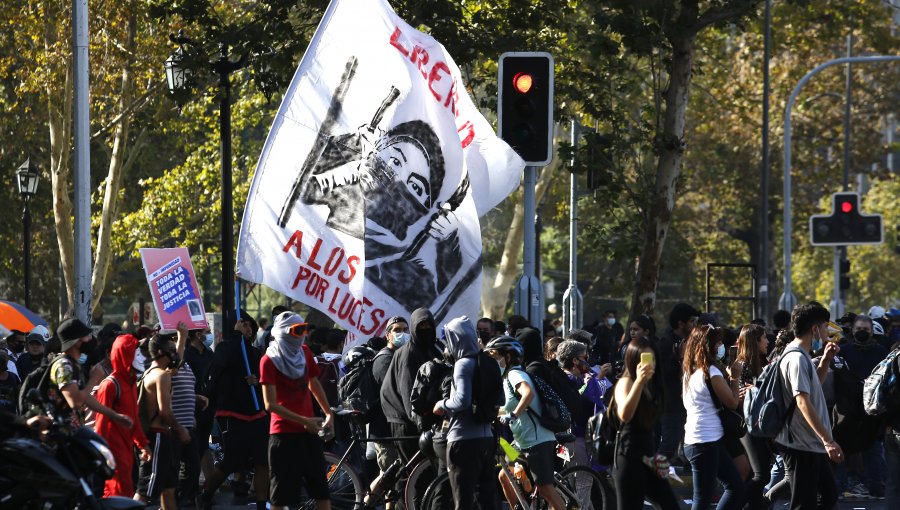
x=638, y=403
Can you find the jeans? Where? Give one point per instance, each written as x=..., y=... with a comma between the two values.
x=708, y=462
x=672, y=431
x=777, y=472
x=892, y=461
x=812, y=481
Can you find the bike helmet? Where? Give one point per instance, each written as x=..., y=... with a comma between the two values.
x=357, y=354
x=426, y=443
x=505, y=344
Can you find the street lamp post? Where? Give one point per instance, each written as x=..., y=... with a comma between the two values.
x=178, y=78
x=27, y=178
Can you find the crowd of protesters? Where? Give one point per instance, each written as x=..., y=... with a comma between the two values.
x=255, y=408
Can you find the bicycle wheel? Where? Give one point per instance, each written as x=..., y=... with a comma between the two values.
x=344, y=485
x=439, y=495
x=582, y=488
x=417, y=482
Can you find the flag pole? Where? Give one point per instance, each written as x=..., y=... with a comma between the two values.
x=237, y=314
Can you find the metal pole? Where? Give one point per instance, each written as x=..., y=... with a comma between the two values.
x=528, y=289
x=840, y=252
x=224, y=68
x=572, y=299
x=788, y=300
x=26, y=251
x=82, y=175
x=764, y=174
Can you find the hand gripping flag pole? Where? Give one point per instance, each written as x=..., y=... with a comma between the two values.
x=237, y=312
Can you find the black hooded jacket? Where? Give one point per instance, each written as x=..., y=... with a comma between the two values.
x=401, y=375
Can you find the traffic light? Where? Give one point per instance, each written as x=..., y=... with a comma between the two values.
x=846, y=224
x=525, y=105
x=600, y=160
x=845, y=274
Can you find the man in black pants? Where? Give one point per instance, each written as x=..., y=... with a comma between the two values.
x=806, y=442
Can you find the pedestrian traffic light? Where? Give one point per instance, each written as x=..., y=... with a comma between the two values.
x=846, y=224
x=845, y=274
x=525, y=104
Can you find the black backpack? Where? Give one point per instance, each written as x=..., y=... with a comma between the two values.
x=431, y=385
x=554, y=414
x=39, y=379
x=358, y=391
x=559, y=381
x=852, y=428
x=601, y=434
x=487, y=392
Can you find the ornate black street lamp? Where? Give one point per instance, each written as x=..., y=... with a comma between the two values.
x=27, y=178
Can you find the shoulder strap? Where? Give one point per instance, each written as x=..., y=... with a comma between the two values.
x=712, y=394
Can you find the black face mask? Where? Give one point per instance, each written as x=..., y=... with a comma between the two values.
x=17, y=347
x=426, y=335
x=485, y=337
x=862, y=337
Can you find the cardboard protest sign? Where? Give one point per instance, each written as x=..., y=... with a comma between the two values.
x=174, y=288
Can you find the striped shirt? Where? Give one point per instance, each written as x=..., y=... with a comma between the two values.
x=184, y=398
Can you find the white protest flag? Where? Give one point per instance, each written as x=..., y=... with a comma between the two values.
x=366, y=198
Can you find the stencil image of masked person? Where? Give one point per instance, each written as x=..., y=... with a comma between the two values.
x=405, y=225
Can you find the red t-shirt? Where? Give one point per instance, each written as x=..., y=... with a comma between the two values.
x=291, y=393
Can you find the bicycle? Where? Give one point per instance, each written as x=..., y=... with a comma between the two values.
x=566, y=482
x=346, y=486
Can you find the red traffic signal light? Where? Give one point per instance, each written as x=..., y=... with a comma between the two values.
x=522, y=82
x=846, y=224
x=525, y=105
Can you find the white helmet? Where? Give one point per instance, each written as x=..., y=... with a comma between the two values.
x=876, y=312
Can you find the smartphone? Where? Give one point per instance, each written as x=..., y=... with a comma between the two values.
x=732, y=353
x=646, y=358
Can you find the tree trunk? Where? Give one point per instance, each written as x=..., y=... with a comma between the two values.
x=494, y=299
x=60, y=127
x=114, y=177
x=671, y=152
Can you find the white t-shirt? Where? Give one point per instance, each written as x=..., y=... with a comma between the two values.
x=703, y=424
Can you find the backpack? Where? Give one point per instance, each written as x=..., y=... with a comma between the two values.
x=554, y=376
x=358, y=392
x=329, y=376
x=38, y=379
x=432, y=383
x=880, y=389
x=852, y=428
x=554, y=415
x=601, y=434
x=764, y=406
x=487, y=392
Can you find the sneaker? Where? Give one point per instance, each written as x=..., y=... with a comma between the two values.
x=856, y=492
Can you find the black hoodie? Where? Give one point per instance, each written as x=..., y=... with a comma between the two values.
x=401, y=375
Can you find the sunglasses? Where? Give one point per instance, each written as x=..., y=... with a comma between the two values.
x=298, y=329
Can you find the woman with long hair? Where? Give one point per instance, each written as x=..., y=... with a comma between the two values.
x=642, y=326
x=703, y=436
x=752, y=346
x=638, y=402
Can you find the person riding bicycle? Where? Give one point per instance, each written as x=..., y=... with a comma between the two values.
x=520, y=411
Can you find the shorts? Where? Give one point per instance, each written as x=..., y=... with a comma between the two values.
x=161, y=472
x=540, y=462
x=733, y=446
x=291, y=454
x=244, y=443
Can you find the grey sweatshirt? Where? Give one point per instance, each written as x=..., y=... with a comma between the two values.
x=462, y=343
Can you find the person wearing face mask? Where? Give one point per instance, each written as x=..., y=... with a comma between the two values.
x=33, y=355
x=397, y=334
x=861, y=354
x=607, y=334
x=290, y=380
x=68, y=392
x=198, y=356
x=118, y=391
x=398, y=383
x=806, y=441
x=9, y=386
x=15, y=344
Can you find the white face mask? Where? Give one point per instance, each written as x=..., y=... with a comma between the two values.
x=138, y=363
x=720, y=351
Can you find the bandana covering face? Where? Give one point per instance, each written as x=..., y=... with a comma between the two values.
x=286, y=350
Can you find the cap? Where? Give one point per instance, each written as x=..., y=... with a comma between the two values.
x=165, y=332
x=35, y=338
x=12, y=333
x=70, y=331
x=393, y=320
x=893, y=312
